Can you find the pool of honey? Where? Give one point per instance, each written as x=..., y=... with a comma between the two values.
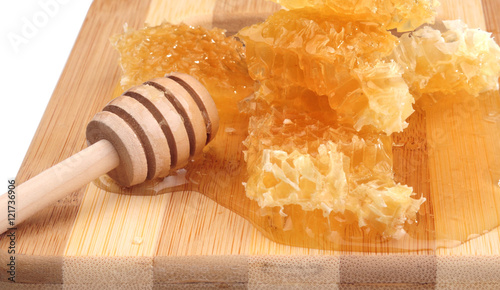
x=449, y=154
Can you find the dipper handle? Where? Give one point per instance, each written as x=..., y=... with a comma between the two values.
x=56, y=182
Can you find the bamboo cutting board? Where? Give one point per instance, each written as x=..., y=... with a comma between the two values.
x=183, y=239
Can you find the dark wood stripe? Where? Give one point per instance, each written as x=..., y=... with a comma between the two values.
x=136, y=127
x=161, y=121
x=491, y=9
x=232, y=18
x=199, y=102
x=181, y=111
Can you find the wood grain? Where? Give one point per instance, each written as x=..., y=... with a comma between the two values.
x=86, y=84
x=92, y=222
x=180, y=11
x=110, y=224
x=462, y=140
x=470, y=11
x=492, y=18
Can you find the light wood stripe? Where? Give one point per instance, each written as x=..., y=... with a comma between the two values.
x=470, y=11
x=196, y=225
x=113, y=224
x=179, y=11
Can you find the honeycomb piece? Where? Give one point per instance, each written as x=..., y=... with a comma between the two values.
x=446, y=63
x=293, y=158
x=403, y=15
x=215, y=60
x=389, y=102
x=340, y=59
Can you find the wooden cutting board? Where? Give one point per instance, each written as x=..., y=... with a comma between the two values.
x=94, y=237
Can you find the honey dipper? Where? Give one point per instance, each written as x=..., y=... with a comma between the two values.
x=144, y=134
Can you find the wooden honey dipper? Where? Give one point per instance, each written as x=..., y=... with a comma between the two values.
x=146, y=133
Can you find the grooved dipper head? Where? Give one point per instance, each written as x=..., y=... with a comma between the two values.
x=156, y=127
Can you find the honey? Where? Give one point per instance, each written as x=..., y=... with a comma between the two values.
x=341, y=180
x=346, y=174
x=440, y=64
x=306, y=48
x=215, y=60
x=464, y=161
x=403, y=15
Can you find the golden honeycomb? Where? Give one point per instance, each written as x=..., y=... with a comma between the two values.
x=441, y=63
x=215, y=60
x=294, y=158
x=340, y=59
x=403, y=15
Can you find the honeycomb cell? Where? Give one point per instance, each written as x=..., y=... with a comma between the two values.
x=293, y=158
x=306, y=48
x=403, y=15
x=215, y=60
x=444, y=63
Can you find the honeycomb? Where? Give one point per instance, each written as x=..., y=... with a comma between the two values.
x=215, y=60
x=295, y=158
x=403, y=15
x=340, y=59
x=445, y=63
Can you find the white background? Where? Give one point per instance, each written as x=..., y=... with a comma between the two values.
x=36, y=39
